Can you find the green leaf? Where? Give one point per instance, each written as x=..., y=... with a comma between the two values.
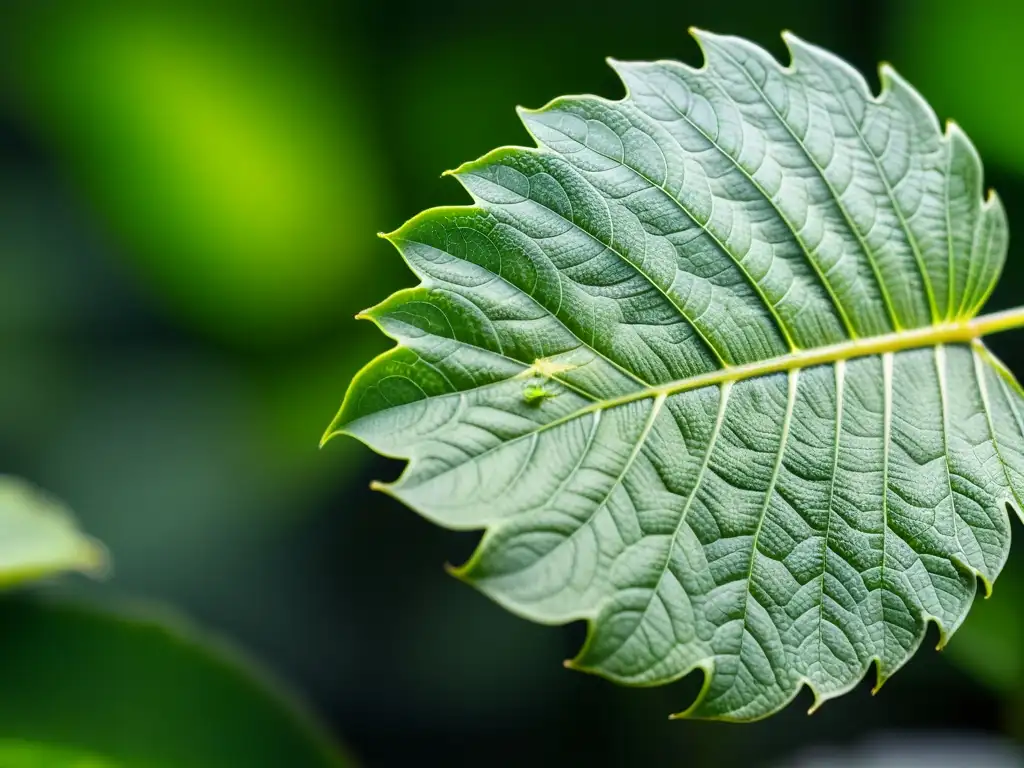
x=25, y=754
x=772, y=446
x=144, y=690
x=39, y=538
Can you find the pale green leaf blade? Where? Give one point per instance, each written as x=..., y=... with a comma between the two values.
x=705, y=369
x=39, y=537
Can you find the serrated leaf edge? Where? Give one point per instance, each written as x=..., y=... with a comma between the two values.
x=964, y=329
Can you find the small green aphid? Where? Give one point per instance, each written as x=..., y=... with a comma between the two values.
x=535, y=394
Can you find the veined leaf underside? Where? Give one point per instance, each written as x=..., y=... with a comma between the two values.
x=704, y=366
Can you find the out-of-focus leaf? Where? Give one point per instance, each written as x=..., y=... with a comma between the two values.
x=146, y=691
x=15, y=753
x=39, y=538
x=232, y=163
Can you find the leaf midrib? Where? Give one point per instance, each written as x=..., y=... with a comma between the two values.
x=917, y=338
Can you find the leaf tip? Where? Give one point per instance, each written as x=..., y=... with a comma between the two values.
x=789, y=37
x=880, y=677
x=953, y=132
x=624, y=70
x=456, y=571
x=988, y=587
x=889, y=78
x=794, y=43
x=460, y=170
x=818, y=698
x=616, y=64
x=699, y=35
x=334, y=429
x=377, y=485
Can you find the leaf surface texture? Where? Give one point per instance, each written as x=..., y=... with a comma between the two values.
x=693, y=365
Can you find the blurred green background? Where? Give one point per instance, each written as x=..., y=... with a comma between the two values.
x=188, y=205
